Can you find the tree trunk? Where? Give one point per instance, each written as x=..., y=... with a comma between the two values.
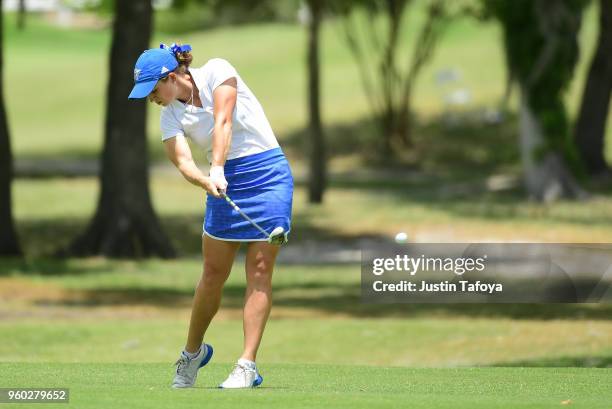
x=540, y=40
x=390, y=79
x=386, y=121
x=421, y=54
x=404, y=120
x=547, y=178
x=317, y=183
x=21, y=15
x=9, y=242
x=125, y=224
x=591, y=125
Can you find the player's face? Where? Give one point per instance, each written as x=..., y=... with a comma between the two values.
x=164, y=92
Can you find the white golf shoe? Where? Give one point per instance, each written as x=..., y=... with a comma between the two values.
x=243, y=376
x=187, y=369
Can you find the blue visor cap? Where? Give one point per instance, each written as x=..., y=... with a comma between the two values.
x=151, y=66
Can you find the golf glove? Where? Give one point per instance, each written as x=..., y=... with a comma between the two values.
x=217, y=176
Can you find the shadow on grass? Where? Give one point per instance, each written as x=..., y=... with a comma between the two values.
x=447, y=169
x=322, y=296
x=41, y=238
x=47, y=267
x=445, y=172
x=327, y=299
x=562, y=362
x=439, y=145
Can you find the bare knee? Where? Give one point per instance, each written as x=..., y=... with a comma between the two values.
x=259, y=269
x=259, y=277
x=213, y=276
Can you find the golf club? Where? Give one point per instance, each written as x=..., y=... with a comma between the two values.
x=277, y=236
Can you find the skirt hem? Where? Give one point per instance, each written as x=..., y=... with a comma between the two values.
x=238, y=240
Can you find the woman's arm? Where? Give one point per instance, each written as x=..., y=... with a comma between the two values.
x=178, y=151
x=224, y=101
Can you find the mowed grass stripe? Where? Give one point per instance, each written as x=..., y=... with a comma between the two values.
x=415, y=342
x=329, y=386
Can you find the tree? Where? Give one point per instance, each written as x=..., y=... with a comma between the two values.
x=591, y=125
x=540, y=41
x=388, y=86
x=21, y=14
x=125, y=224
x=317, y=182
x=223, y=12
x=9, y=242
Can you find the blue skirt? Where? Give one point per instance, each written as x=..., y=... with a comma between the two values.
x=262, y=186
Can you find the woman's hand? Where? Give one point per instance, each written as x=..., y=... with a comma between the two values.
x=178, y=151
x=210, y=187
x=217, y=176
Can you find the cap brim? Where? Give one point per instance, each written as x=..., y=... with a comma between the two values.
x=142, y=89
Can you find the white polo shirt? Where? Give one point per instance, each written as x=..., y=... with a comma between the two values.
x=251, y=131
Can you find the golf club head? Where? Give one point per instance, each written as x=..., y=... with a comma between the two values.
x=278, y=236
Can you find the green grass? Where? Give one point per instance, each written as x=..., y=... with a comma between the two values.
x=97, y=310
x=109, y=331
x=427, y=207
x=329, y=386
x=149, y=335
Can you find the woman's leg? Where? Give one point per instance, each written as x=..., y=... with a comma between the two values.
x=258, y=297
x=218, y=258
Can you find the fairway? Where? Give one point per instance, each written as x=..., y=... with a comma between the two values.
x=453, y=138
x=110, y=331
x=319, y=386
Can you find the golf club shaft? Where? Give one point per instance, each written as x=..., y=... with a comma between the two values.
x=236, y=208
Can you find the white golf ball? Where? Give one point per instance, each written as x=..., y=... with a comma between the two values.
x=401, y=237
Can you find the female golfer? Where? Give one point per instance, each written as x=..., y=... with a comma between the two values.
x=214, y=108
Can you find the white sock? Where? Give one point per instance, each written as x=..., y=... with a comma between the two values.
x=247, y=363
x=191, y=355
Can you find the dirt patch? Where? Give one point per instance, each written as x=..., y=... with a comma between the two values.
x=16, y=289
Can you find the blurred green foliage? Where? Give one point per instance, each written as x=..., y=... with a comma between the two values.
x=193, y=15
x=542, y=51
